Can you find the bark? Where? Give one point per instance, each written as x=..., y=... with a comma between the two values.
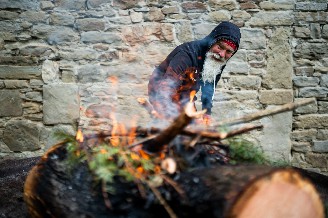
x=52, y=190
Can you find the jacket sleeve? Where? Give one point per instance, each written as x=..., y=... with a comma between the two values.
x=163, y=86
x=208, y=90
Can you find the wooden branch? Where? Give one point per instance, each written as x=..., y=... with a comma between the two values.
x=145, y=103
x=264, y=113
x=156, y=144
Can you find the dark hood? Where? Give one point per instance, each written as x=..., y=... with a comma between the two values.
x=225, y=30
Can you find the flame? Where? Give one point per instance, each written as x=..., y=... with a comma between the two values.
x=79, y=136
x=192, y=95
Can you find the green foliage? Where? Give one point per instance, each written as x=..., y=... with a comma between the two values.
x=243, y=151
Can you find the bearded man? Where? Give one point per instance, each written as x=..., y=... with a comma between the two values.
x=190, y=67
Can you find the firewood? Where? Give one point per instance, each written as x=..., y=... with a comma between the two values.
x=264, y=113
x=52, y=190
x=185, y=117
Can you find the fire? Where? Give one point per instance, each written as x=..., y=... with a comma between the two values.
x=79, y=136
x=192, y=95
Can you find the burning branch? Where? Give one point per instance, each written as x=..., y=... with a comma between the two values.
x=156, y=144
x=264, y=113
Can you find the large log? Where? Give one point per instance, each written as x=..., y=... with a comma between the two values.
x=52, y=190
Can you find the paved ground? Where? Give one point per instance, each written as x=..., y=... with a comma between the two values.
x=12, y=177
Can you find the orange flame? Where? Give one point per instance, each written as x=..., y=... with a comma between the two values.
x=79, y=136
x=192, y=95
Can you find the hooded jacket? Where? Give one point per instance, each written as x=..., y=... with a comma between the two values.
x=172, y=82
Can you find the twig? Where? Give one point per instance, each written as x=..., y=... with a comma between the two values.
x=264, y=113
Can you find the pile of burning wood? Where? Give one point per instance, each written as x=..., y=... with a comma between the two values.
x=170, y=172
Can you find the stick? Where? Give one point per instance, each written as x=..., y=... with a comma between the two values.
x=155, y=145
x=264, y=113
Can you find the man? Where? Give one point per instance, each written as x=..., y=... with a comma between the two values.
x=190, y=67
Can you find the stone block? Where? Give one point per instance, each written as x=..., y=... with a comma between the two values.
x=63, y=35
x=21, y=4
x=271, y=18
x=247, y=39
x=304, y=135
x=99, y=37
x=20, y=72
x=279, y=62
x=22, y=135
x=245, y=82
x=308, y=92
x=276, y=97
x=11, y=103
x=306, y=109
x=223, y=5
x=61, y=104
x=310, y=121
x=303, y=81
x=301, y=146
x=90, y=24
x=310, y=6
x=317, y=160
x=320, y=146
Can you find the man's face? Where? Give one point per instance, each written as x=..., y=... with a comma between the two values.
x=221, y=51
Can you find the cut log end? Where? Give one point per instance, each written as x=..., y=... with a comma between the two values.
x=281, y=194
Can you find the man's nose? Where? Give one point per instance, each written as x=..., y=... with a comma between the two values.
x=222, y=53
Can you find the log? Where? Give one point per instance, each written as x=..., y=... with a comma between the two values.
x=53, y=190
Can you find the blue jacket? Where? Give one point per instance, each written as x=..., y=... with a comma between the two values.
x=179, y=74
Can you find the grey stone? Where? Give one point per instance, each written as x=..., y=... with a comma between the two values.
x=8, y=15
x=50, y=71
x=99, y=37
x=79, y=54
x=322, y=134
x=276, y=97
x=310, y=6
x=310, y=121
x=320, y=146
x=308, y=92
x=46, y=5
x=91, y=73
x=60, y=104
x=245, y=82
x=62, y=35
x=317, y=160
x=315, y=31
x=325, y=31
x=270, y=18
x=275, y=138
x=311, y=50
x=62, y=19
x=22, y=135
x=324, y=80
x=302, y=32
x=306, y=109
x=304, y=135
x=319, y=16
x=248, y=42
x=20, y=4
x=16, y=84
x=97, y=3
x=34, y=96
x=184, y=31
x=301, y=146
x=11, y=103
x=74, y=5
x=279, y=67
x=226, y=4
x=237, y=67
x=323, y=107
x=302, y=81
x=90, y=24
x=34, y=16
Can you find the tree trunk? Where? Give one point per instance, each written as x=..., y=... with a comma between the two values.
x=52, y=190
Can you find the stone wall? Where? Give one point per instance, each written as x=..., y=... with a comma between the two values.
x=69, y=64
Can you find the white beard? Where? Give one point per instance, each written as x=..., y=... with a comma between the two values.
x=212, y=67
